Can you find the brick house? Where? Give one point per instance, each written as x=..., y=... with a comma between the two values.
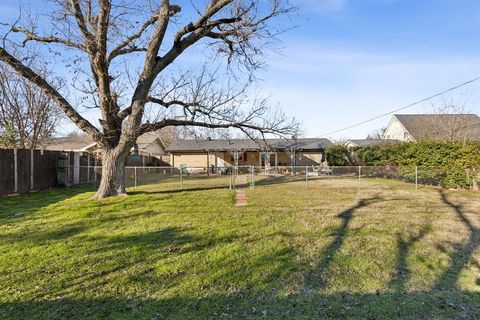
x=218, y=153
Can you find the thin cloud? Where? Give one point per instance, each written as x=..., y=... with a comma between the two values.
x=323, y=6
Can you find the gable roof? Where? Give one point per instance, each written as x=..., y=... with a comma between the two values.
x=149, y=142
x=441, y=126
x=193, y=145
x=71, y=143
x=371, y=142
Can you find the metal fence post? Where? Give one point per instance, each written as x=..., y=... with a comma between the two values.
x=252, y=182
x=359, y=176
x=88, y=169
x=416, y=177
x=95, y=173
x=181, y=178
x=306, y=176
x=135, y=175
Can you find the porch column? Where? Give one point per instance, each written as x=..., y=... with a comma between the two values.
x=292, y=161
x=276, y=162
x=208, y=162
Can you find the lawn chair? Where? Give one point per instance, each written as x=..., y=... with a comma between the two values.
x=314, y=172
x=184, y=170
x=325, y=169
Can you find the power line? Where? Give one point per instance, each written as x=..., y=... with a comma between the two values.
x=404, y=107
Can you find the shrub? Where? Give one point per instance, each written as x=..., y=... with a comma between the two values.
x=449, y=164
x=337, y=155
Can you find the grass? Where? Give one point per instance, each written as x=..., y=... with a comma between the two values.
x=326, y=251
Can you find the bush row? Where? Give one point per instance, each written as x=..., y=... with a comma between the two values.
x=449, y=164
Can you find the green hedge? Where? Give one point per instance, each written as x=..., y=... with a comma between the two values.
x=449, y=164
x=337, y=155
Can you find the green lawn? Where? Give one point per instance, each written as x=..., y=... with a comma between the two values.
x=326, y=251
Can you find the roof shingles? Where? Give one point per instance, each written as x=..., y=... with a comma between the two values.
x=191, y=145
x=441, y=126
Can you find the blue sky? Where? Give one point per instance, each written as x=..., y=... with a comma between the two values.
x=351, y=60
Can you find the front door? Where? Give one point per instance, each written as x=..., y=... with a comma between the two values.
x=269, y=159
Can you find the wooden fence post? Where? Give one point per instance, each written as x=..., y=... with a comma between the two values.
x=31, y=168
x=15, y=168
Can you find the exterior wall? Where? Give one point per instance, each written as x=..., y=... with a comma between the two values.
x=395, y=130
x=250, y=158
x=216, y=159
x=146, y=160
x=192, y=159
x=284, y=159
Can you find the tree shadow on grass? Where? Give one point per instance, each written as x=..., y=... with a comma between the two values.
x=280, y=179
x=20, y=206
x=258, y=305
x=242, y=301
x=139, y=252
x=318, y=275
x=404, y=246
x=463, y=253
x=179, y=190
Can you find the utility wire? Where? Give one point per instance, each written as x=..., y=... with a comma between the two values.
x=404, y=107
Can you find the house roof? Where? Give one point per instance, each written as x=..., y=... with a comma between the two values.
x=371, y=142
x=194, y=145
x=441, y=126
x=148, y=143
x=71, y=143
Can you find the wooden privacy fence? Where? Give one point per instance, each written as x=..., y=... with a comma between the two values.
x=23, y=170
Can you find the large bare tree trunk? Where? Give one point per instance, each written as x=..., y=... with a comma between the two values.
x=102, y=31
x=112, y=182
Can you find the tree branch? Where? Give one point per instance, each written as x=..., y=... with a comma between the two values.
x=51, y=92
x=127, y=46
x=88, y=37
x=148, y=127
x=30, y=36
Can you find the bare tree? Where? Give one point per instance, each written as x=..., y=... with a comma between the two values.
x=103, y=37
x=450, y=121
x=377, y=134
x=27, y=116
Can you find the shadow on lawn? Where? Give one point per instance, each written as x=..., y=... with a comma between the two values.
x=309, y=301
x=179, y=190
x=462, y=254
x=22, y=205
x=318, y=275
x=402, y=272
x=280, y=179
x=248, y=305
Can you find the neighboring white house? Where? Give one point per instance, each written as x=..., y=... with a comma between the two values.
x=411, y=127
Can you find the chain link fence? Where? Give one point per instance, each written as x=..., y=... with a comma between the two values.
x=253, y=176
